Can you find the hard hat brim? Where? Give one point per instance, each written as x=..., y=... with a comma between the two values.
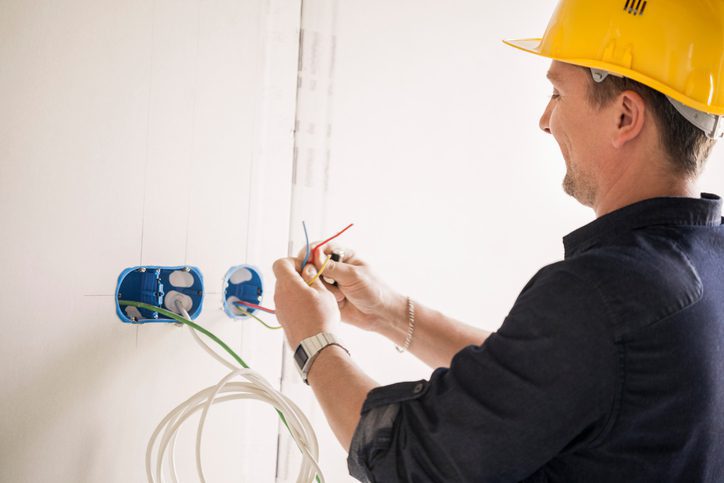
x=526, y=45
x=533, y=46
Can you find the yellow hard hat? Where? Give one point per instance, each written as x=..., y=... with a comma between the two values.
x=673, y=46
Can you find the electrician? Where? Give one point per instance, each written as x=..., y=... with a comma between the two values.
x=610, y=364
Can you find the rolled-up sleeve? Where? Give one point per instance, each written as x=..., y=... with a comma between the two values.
x=545, y=383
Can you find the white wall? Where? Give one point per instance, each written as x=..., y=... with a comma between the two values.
x=159, y=132
x=130, y=134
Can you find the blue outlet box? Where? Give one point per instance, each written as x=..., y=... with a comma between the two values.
x=162, y=287
x=242, y=283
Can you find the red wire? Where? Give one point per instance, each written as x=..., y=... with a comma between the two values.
x=316, y=248
x=314, y=257
x=254, y=306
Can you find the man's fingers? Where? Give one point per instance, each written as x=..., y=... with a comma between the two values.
x=285, y=268
x=309, y=274
x=281, y=267
x=338, y=295
x=348, y=256
x=318, y=260
x=348, y=253
x=343, y=273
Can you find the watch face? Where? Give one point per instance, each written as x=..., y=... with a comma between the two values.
x=301, y=357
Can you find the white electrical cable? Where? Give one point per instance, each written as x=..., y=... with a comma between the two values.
x=255, y=388
x=208, y=349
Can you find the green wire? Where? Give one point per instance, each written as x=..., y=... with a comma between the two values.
x=185, y=321
x=208, y=334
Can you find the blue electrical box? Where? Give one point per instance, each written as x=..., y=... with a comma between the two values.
x=161, y=287
x=242, y=283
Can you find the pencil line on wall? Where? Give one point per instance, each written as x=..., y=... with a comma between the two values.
x=148, y=126
x=194, y=108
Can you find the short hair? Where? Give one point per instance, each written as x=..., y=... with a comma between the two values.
x=687, y=146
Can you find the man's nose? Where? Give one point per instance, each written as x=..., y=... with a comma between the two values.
x=544, y=122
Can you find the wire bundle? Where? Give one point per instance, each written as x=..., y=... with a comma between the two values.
x=253, y=386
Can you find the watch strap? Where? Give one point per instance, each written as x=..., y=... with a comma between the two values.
x=309, y=349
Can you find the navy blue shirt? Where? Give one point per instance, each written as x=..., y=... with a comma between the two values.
x=609, y=367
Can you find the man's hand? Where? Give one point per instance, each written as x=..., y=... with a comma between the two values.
x=367, y=303
x=302, y=310
x=364, y=301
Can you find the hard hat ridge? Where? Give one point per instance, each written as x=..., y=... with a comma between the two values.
x=674, y=47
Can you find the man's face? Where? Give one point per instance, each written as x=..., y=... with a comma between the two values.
x=577, y=126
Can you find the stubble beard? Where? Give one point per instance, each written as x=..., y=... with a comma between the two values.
x=579, y=186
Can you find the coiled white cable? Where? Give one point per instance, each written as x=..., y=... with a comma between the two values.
x=255, y=387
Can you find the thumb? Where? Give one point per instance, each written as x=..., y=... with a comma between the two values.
x=342, y=273
x=308, y=274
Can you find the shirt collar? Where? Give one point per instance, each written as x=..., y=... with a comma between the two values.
x=704, y=211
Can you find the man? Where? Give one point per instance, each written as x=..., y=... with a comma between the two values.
x=610, y=364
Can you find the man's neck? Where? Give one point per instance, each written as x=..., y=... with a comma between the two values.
x=643, y=189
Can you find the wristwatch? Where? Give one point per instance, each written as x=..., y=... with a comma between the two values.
x=309, y=349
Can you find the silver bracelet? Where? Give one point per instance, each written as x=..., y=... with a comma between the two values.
x=410, y=326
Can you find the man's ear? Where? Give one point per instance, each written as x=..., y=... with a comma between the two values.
x=630, y=111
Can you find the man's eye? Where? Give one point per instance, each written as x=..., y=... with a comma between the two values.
x=555, y=95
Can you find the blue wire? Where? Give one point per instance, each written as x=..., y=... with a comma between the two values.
x=306, y=237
